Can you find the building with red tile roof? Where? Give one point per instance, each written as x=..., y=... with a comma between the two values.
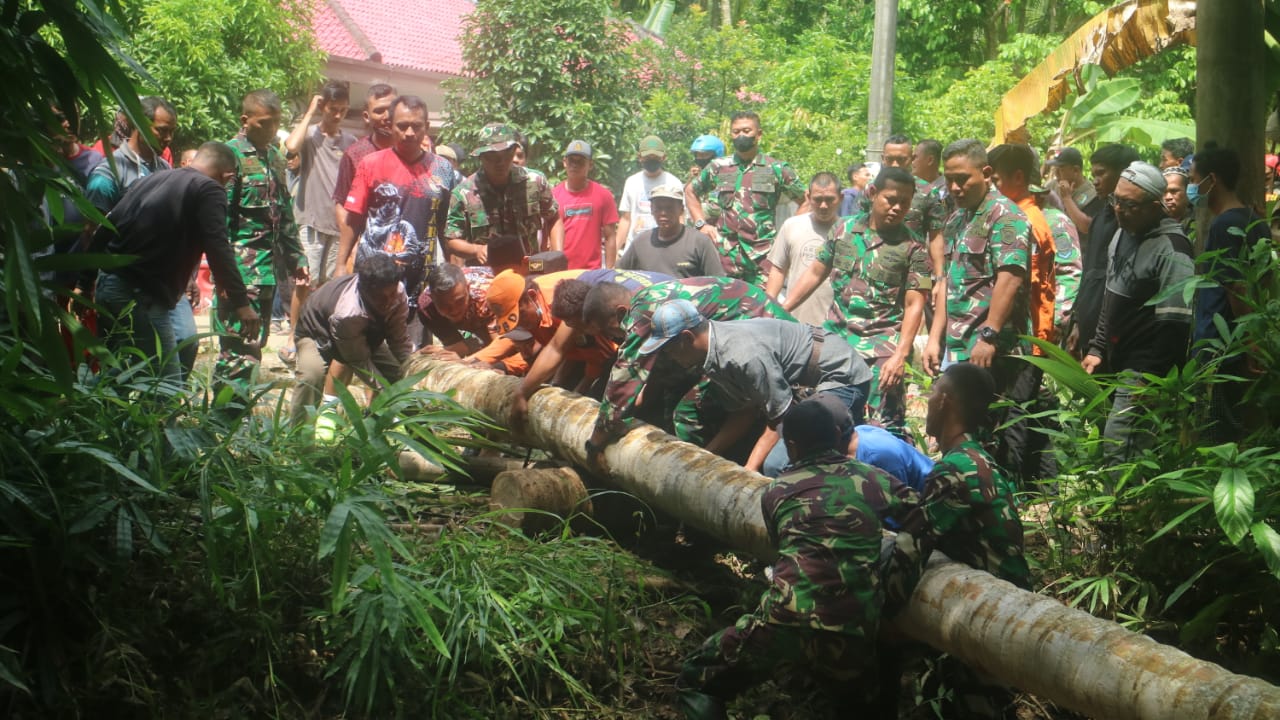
x=411, y=44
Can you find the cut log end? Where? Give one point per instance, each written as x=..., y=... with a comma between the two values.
x=538, y=499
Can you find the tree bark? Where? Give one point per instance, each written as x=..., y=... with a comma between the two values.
x=555, y=494
x=1231, y=98
x=1026, y=640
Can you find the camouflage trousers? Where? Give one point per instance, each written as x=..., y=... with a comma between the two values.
x=753, y=651
x=887, y=408
x=238, y=358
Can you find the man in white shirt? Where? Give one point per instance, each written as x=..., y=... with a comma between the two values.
x=799, y=240
x=634, y=215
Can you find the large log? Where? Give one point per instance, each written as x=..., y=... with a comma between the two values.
x=1029, y=641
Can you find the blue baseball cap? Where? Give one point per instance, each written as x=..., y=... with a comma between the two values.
x=669, y=320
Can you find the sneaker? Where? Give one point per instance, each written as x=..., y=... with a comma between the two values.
x=327, y=420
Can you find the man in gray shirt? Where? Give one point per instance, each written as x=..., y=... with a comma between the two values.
x=672, y=248
x=320, y=152
x=763, y=365
x=799, y=240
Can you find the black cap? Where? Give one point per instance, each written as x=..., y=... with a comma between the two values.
x=1067, y=156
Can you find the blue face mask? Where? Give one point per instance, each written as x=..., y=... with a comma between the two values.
x=1194, y=197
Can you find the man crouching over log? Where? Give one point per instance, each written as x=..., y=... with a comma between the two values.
x=760, y=366
x=822, y=609
x=660, y=393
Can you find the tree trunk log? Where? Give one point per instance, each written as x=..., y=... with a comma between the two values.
x=1029, y=641
x=556, y=493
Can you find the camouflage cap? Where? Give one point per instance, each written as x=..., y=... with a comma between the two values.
x=652, y=146
x=495, y=137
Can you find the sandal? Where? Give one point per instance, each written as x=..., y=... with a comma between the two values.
x=288, y=356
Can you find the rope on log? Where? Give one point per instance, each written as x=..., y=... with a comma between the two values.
x=1029, y=641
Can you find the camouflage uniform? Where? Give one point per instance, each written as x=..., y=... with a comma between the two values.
x=717, y=299
x=979, y=244
x=927, y=214
x=969, y=512
x=1067, y=263
x=523, y=207
x=260, y=224
x=871, y=278
x=747, y=195
x=822, y=609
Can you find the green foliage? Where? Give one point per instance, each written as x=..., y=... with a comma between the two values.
x=966, y=108
x=1181, y=540
x=204, y=55
x=564, y=75
x=1103, y=113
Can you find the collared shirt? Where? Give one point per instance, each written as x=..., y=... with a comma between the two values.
x=969, y=512
x=479, y=321
x=522, y=207
x=346, y=329
x=981, y=243
x=716, y=298
x=927, y=214
x=260, y=213
x=824, y=515
x=871, y=275
x=1067, y=262
x=757, y=363
x=748, y=194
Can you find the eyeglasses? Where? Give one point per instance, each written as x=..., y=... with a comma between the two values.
x=1127, y=205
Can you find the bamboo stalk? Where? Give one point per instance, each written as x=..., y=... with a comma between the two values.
x=1025, y=640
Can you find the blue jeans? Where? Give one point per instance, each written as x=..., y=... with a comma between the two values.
x=183, y=320
x=136, y=320
x=855, y=396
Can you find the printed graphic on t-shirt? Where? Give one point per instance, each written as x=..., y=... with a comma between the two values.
x=386, y=230
x=578, y=211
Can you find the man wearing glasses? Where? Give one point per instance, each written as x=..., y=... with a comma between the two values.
x=1134, y=336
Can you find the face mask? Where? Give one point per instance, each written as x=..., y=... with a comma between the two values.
x=743, y=143
x=651, y=164
x=1194, y=196
x=702, y=162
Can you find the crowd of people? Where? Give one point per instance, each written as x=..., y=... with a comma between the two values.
x=692, y=304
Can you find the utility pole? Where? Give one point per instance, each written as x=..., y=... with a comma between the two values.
x=1231, y=97
x=883, y=54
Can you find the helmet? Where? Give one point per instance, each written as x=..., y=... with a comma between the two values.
x=708, y=143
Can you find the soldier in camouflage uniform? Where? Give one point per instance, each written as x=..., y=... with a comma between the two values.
x=881, y=287
x=748, y=187
x=823, y=606
x=969, y=512
x=501, y=199
x=612, y=311
x=1067, y=262
x=989, y=248
x=260, y=225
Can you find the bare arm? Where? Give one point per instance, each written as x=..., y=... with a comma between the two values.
x=555, y=237
x=1078, y=216
x=761, y=450
x=624, y=227
x=773, y=285
x=293, y=143
x=347, y=234
x=735, y=427
x=610, y=244
x=813, y=276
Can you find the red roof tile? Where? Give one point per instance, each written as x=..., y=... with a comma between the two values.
x=415, y=34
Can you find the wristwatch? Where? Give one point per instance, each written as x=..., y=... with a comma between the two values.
x=699, y=224
x=986, y=333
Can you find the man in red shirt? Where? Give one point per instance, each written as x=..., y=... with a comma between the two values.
x=399, y=199
x=588, y=211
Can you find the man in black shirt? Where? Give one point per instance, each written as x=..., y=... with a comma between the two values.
x=1108, y=162
x=1148, y=257
x=1233, y=233
x=167, y=220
